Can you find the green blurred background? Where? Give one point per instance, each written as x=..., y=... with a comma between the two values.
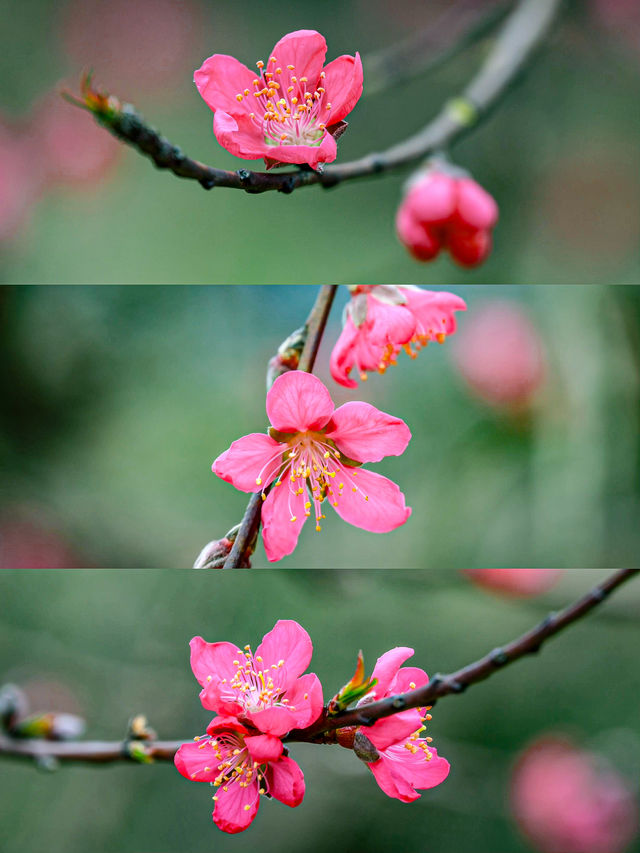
x=110, y=644
x=560, y=155
x=115, y=401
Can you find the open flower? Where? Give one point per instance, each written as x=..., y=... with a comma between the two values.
x=290, y=109
x=382, y=319
x=398, y=757
x=266, y=690
x=312, y=455
x=445, y=208
x=242, y=765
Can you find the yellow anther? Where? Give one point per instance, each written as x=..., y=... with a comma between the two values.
x=278, y=70
x=354, y=489
x=247, y=807
x=260, y=63
x=246, y=92
x=294, y=101
x=289, y=88
x=263, y=496
x=283, y=136
x=328, y=106
x=273, y=59
x=366, y=497
x=238, y=97
x=258, y=481
x=318, y=528
x=322, y=75
x=252, y=115
x=440, y=337
x=290, y=67
x=412, y=685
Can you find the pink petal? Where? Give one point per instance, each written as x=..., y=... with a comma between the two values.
x=211, y=662
x=220, y=78
x=470, y=248
x=223, y=723
x=387, y=667
x=287, y=641
x=279, y=533
x=312, y=155
x=342, y=356
x=475, y=207
x=407, y=676
x=305, y=711
x=366, y=434
x=240, y=136
x=434, y=310
x=426, y=774
x=388, y=323
x=190, y=761
x=229, y=813
x=285, y=781
x=420, y=240
x=305, y=50
x=298, y=402
x=343, y=84
x=384, y=511
x=276, y=720
x=433, y=199
x=391, y=780
x=245, y=461
x=264, y=748
x=395, y=729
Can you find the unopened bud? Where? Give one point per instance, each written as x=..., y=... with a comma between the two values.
x=137, y=750
x=139, y=728
x=50, y=726
x=288, y=356
x=353, y=690
x=215, y=553
x=364, y=749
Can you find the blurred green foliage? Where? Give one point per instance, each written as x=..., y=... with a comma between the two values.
x=115, y=401
x=117, y=644
x=560, y=156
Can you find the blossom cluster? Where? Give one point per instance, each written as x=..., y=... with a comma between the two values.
x=258, y=698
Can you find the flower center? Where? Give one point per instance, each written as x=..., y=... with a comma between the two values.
x=230, y=757
x=286, y=108
x=254, y=685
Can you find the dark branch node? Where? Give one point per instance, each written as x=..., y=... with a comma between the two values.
x=207, y=183
x=399, y=703
x=456, y=686
x=499, y=657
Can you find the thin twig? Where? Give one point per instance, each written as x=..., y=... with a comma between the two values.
x=521, y=34
x=438, y=687
x=312, y=333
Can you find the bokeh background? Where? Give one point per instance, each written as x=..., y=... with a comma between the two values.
x=560, y=155
x=115, y=401
x=109, y=644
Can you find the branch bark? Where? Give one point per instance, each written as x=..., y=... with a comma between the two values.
x=438, y=687
x=524, y=30
x=312, y=332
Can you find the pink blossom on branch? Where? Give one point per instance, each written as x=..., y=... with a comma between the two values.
x=291, y=110
x=312, y=455
x=401, y=761
x=445, y=208
x=381, y=320
x=242, y=765
x=265, y=690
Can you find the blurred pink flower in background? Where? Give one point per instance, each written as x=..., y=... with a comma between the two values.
x=500, y=355
x=71, y=146
x=19, y=182
x=28, y=540
x=622, y=18
x=443, y=208
x=134, y=47
x=516, y=582
x=565, y=800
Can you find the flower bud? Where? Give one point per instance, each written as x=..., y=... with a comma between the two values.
x=522, y=583
x=50, y=726
x=353, y=690
x=445, y=208
x=288, y=356
x=364, y=749
x=214, y=554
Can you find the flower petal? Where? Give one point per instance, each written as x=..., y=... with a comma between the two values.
x=305, y=700
x=434, y=310
x=470, y=248
x=408, y=678
x=475, y=208
x=343, y=84
x=247, y=460
x=385, y=508
x=366, y=434
x=305, y=50
x=399, y=772
x=279, y=533
x=386, y=669
x=312, y=155
x=342, y=358
x=192, y=758
x=287, y=641
x=264, y=748
x=395, y=729
x=240, y=136
x=211, y=662
x=391, y=780
x=220, y=78
x=276, y=720
x=432, y=200
x=236, y=807
x=223, y=723
x=285, y=781
x=298, y=402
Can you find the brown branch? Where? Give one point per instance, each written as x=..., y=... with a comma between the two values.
x=438, y=687
x=521, y=34
x=312, y=334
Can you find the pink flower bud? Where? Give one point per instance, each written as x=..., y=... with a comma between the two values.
x=516, y=582
x=445, y=209
x=565, y=800
x=500, y=355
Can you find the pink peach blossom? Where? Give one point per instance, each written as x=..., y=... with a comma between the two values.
x=501, y=355
x=242, y=765
x=565, y=800
x=266, y=690
x=516, y=582
x=406, y=762
x=445, y=208
x=287, y=111
x=313, y=454
x=382, y=319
